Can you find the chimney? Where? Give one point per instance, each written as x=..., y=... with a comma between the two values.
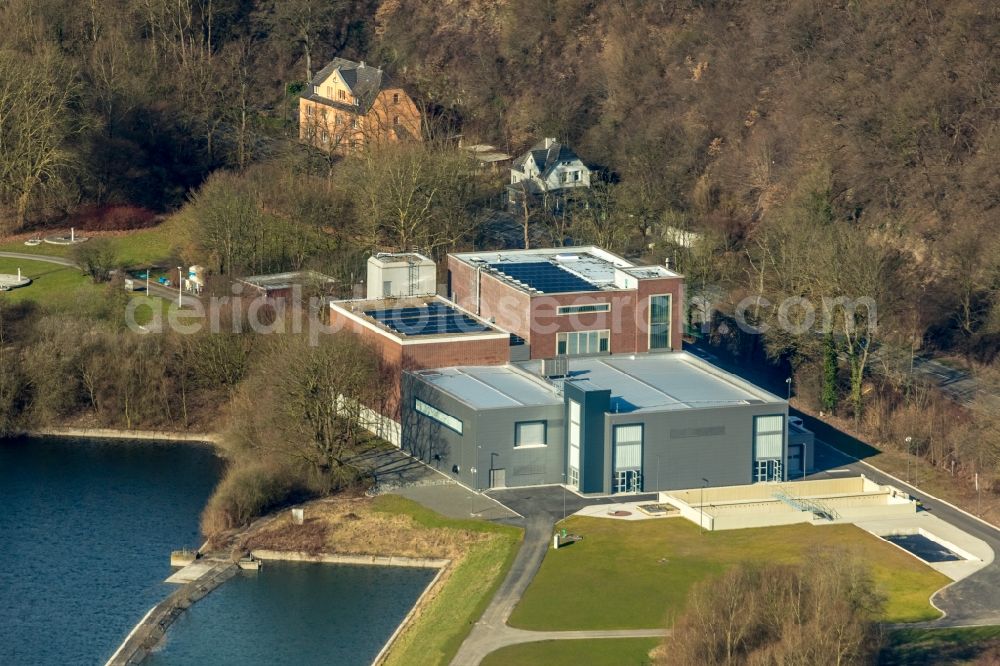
x=549, y=142
x=362, y=65
x=669, y=263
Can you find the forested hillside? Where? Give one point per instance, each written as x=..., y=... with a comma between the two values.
x=820, y=148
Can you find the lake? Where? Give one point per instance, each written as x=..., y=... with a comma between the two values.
x=295, y=613
x=85, y=540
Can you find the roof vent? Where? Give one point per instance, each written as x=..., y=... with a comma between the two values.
x=554, y=367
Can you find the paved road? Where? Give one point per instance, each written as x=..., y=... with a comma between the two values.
x=971, y=601
x=541, y=507
x=187, y=301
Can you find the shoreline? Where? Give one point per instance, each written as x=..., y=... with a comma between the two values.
x=154, y=625
x=205, y=438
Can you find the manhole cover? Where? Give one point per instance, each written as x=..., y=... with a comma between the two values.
x=620, y=513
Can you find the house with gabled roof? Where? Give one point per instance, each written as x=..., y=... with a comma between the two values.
x=348, y=105
x=549, y=171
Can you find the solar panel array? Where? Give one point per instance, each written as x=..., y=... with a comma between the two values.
x=544, y=276
x=432, y=319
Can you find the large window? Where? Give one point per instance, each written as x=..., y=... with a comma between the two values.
x=659, y=321
x=529, y=433
x=768, y=447
x=583, y=309
x=578, y=343
x=573, y=462
x=432, y=412
x=628, y=458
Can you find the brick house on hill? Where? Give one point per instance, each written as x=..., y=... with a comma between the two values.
x=349, y=104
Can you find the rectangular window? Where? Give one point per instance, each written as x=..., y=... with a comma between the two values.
x=329, y=92
x=340, y=95
x=337, y=120
x=576, y=176
x=583, y=309
x=628, y=447
x=356, y=123
x=433, y=413
x=395, y=120
x=326, y=137
x=395, y=98
x=581, y=343
x=573, y=440
x=768, y=436
x=659, y=321
x=529, y=433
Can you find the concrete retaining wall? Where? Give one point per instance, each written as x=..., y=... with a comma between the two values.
x=371, y=560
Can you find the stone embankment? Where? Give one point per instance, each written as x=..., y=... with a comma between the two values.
x=154, y=625
x=116, y=433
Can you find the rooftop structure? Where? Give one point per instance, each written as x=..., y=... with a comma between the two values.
x=275, y=282
x=562, y=270
x=400, y=274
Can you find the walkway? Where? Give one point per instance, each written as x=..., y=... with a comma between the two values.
x=974, y=600
x=542, y=507
x=154, y=288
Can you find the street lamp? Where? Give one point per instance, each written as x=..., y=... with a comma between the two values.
x=909, y=452
x=180, y=282
x=788, y=383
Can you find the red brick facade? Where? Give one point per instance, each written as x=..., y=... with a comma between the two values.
x=534, y=318
x=421, y=353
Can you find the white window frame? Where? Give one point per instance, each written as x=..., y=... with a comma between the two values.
x=430, y=411
x=534, y=445
x=572, y=340
x=573, y=442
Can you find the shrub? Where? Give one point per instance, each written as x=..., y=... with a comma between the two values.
x=248, y=491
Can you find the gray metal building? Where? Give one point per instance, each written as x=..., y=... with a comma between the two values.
x=606, y=424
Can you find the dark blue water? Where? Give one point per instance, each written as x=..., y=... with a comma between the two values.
x=295, y=613
x=86, y=530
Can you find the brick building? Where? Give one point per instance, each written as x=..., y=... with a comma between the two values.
x=349, y=104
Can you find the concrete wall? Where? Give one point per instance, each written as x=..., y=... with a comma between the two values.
x=483, y=432
x=682, y=447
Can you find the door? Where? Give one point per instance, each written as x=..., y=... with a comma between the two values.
x=795, y=456
x=498, y=478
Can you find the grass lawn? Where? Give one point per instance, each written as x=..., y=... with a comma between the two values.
x=437, y=632
x=637, y=574
x=134, y=248
x=593, y=652
x=939, y=646
x=51, y=284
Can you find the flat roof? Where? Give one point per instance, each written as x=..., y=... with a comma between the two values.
x=560, y=270
x=659, y=382
x=410, y=318
x=434, y=318
x=286, y=280
x=673, y=381
x=492, y=386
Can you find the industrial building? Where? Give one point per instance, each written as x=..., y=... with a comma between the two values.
x=562, y=366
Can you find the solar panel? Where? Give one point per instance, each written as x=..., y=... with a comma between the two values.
x=544, y=276
x=433, y=319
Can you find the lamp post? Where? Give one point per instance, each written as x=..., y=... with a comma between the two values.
x=788, y=394
x=147, y=281
x=180, y=282
x=909, y=452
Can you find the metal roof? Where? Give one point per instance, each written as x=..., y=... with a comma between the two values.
x=492, y=387
x=638, y=383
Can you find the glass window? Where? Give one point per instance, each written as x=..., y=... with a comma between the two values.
x=578, y=343
x=768, y=436
x=583, y=309
x=395, y=98
x=628, y=446
x=529, y=433
x=659, y=321
x=435, y=414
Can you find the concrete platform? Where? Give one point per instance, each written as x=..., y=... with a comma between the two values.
x=977, y=553
x=192, y=572
x=632, y=508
